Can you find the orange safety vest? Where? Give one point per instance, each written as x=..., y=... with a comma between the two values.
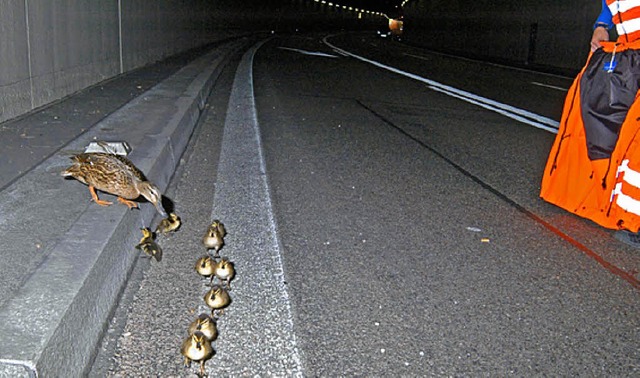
x=626, y=17
x=605, y=190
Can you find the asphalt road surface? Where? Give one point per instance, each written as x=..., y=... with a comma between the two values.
x=384, y=220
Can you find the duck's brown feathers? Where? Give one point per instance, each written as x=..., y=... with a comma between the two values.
x=109, y=173
x=113, y=174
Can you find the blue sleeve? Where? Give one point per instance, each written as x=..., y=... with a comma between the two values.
x=605, y=16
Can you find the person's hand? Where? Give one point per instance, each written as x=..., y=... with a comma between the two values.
x=599, y=34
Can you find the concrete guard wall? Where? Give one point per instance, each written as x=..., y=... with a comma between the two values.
x=50, y=49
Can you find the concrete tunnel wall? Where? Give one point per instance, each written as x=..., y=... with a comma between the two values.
x=51, y=49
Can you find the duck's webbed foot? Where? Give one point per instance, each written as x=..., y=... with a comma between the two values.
x=130, y=204
x=95, y=198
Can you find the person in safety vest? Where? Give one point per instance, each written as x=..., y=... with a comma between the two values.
x=593, y=169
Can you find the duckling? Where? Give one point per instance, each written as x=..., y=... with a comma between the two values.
x=205, y=324
x=196, y=347
x=217, y=299
x=147, y=236
x=214, y=237
x=205, y=266
x=148, y=245
x=116, y=175
x=225, y=271
x=219, y=226
x=168, y=224
x=152, y=249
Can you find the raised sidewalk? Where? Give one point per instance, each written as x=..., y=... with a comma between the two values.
x=63, y=259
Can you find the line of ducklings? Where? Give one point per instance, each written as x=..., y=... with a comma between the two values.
x=203, y=330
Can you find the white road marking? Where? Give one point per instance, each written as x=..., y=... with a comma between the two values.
x=550, y=86
x=512, y=112
x=305, y=52
x=242, y=202
x=487, y=63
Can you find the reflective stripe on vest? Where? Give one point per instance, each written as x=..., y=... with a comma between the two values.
x=632, y=178
x=626, y=17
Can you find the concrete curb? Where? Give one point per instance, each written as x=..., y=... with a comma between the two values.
x=52, y=324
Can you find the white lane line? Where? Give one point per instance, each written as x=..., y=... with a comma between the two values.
x=512, y=68
x=340, y=52
x=416, y=56
x=260, y=313
x=550, y=86
x=518, y=114
x=502, y=66
x=305, y=52
x=499, y=111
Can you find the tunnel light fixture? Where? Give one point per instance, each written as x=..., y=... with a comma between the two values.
x=352, y=9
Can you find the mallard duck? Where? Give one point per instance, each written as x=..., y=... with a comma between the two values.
x=217, y=299
x=116, y=175
x=225, y=271
x=214, y=237
x=196, y=347
x=205, y=324
x=168, y=224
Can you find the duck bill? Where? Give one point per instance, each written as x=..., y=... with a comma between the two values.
x=160, y=208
